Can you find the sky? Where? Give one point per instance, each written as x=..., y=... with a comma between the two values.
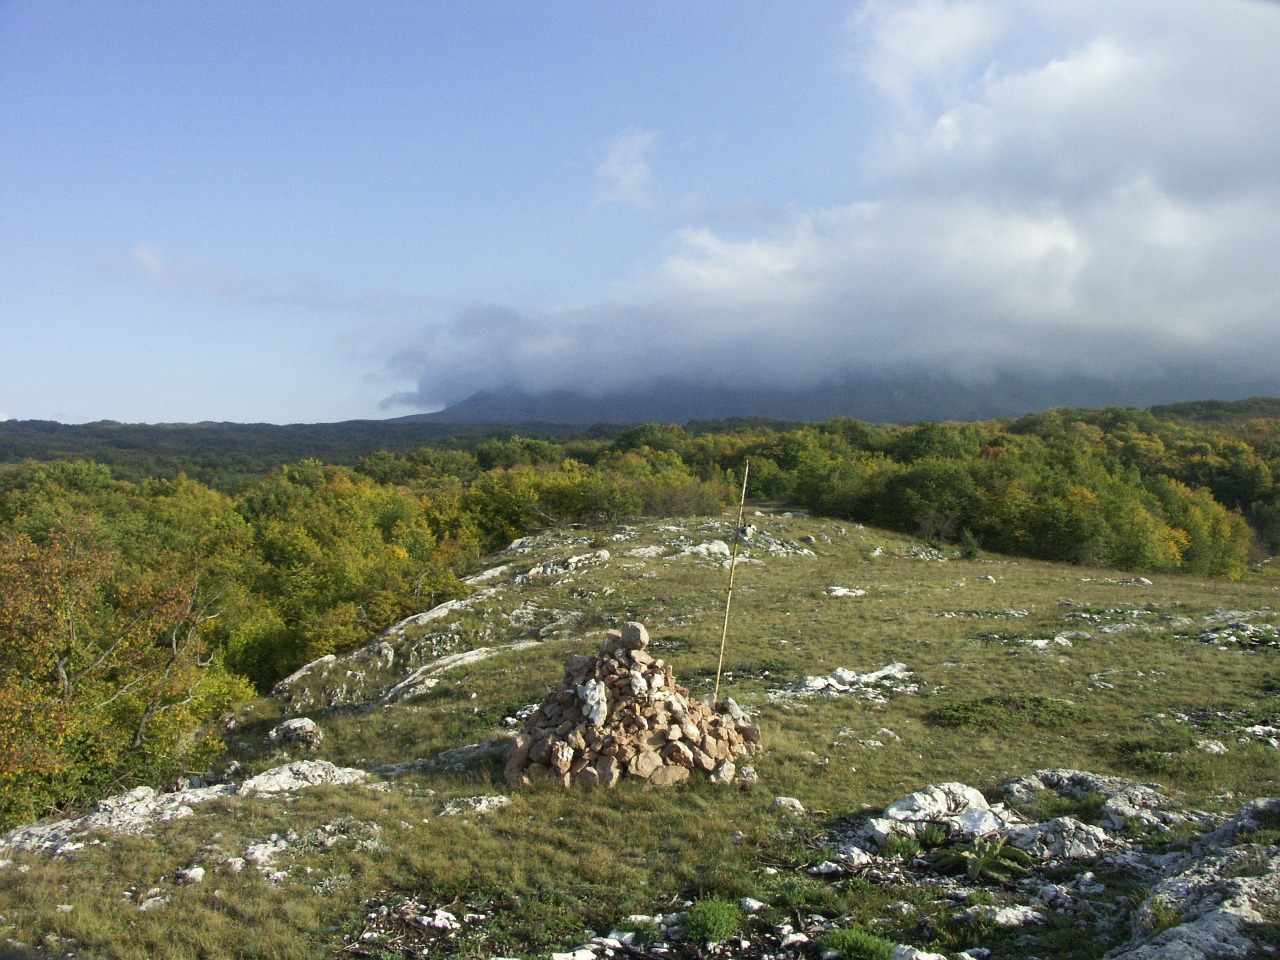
x=318, y=211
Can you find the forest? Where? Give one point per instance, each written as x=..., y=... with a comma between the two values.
x=146, y=593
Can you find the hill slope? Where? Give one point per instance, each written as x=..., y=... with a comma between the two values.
x=1007, y=668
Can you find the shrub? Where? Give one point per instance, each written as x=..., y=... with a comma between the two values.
x=711, y=921
x=854, y=943
x=984, y=859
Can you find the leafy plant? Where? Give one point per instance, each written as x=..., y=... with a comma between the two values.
x=902, y=845
x=854, y=943
x=933, y=835
x=711, y=921
x=986, y=858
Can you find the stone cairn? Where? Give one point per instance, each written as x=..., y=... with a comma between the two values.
x=621, y=713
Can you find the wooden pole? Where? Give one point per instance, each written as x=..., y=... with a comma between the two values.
x=733, y=565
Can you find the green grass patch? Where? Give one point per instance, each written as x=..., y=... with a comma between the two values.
x=1005, y=713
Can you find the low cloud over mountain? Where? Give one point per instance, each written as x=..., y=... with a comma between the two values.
x=1054, y=194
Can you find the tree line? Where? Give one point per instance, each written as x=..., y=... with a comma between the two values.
x=135, y=611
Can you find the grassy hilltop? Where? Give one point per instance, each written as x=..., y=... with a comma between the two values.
x=1016, y=665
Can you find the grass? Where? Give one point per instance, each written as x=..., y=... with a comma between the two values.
x=1003, y=713
x=555, y=864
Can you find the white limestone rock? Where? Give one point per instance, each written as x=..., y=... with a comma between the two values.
x=300, y=775
x=1063, y=838
x=302, y=731
x=476, y=805
x=789, y=805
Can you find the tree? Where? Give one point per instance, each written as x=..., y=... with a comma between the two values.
x=105, y=674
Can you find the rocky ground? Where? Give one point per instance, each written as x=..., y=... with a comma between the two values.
x=1052, y=863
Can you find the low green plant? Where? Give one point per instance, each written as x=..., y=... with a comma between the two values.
x=1160, y=915
x=933, y=835
x=808, y=895
x=855, y=943
x=711, y=921
x=983, y=859
x=902, y=845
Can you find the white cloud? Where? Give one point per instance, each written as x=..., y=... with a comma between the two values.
x=903, y=46
x=624, y=175
x=1057, y=189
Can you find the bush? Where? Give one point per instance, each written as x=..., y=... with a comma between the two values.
x=854, y=943
x=711, y=921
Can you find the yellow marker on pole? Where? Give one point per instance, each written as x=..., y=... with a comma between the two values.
x=733, y=565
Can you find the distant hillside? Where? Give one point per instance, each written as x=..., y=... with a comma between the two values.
x=1220, y=411
x=883, y=398
x=219, y=453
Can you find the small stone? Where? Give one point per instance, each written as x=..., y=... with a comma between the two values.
x=789, y=804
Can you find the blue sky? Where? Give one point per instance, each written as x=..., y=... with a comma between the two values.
x=303, y=212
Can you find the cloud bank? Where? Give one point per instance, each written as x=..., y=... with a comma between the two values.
x=1056, y=190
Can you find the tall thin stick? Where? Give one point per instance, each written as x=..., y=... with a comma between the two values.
x=733, y=566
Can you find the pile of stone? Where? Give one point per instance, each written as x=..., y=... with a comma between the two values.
x=621, y=713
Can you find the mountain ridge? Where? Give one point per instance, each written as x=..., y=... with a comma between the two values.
x=890, y=397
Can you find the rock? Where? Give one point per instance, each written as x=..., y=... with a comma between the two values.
x=1063, y=838
x=595, y=701
x=1016, y=916
x=1128, y=806
x=976, y=822
x=845, y=592
x=904, y=952
x=625, y=705
x=561, y=756
x=725, y=772
x=300, y=730
x=300, y=775
x=634, y=635
x=191, y=875
x=668, y=776
x=935, y=803
x=478, y=805
x=789, y=805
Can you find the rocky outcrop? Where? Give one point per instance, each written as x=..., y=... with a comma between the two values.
x=621, y=713
x=138, y=810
